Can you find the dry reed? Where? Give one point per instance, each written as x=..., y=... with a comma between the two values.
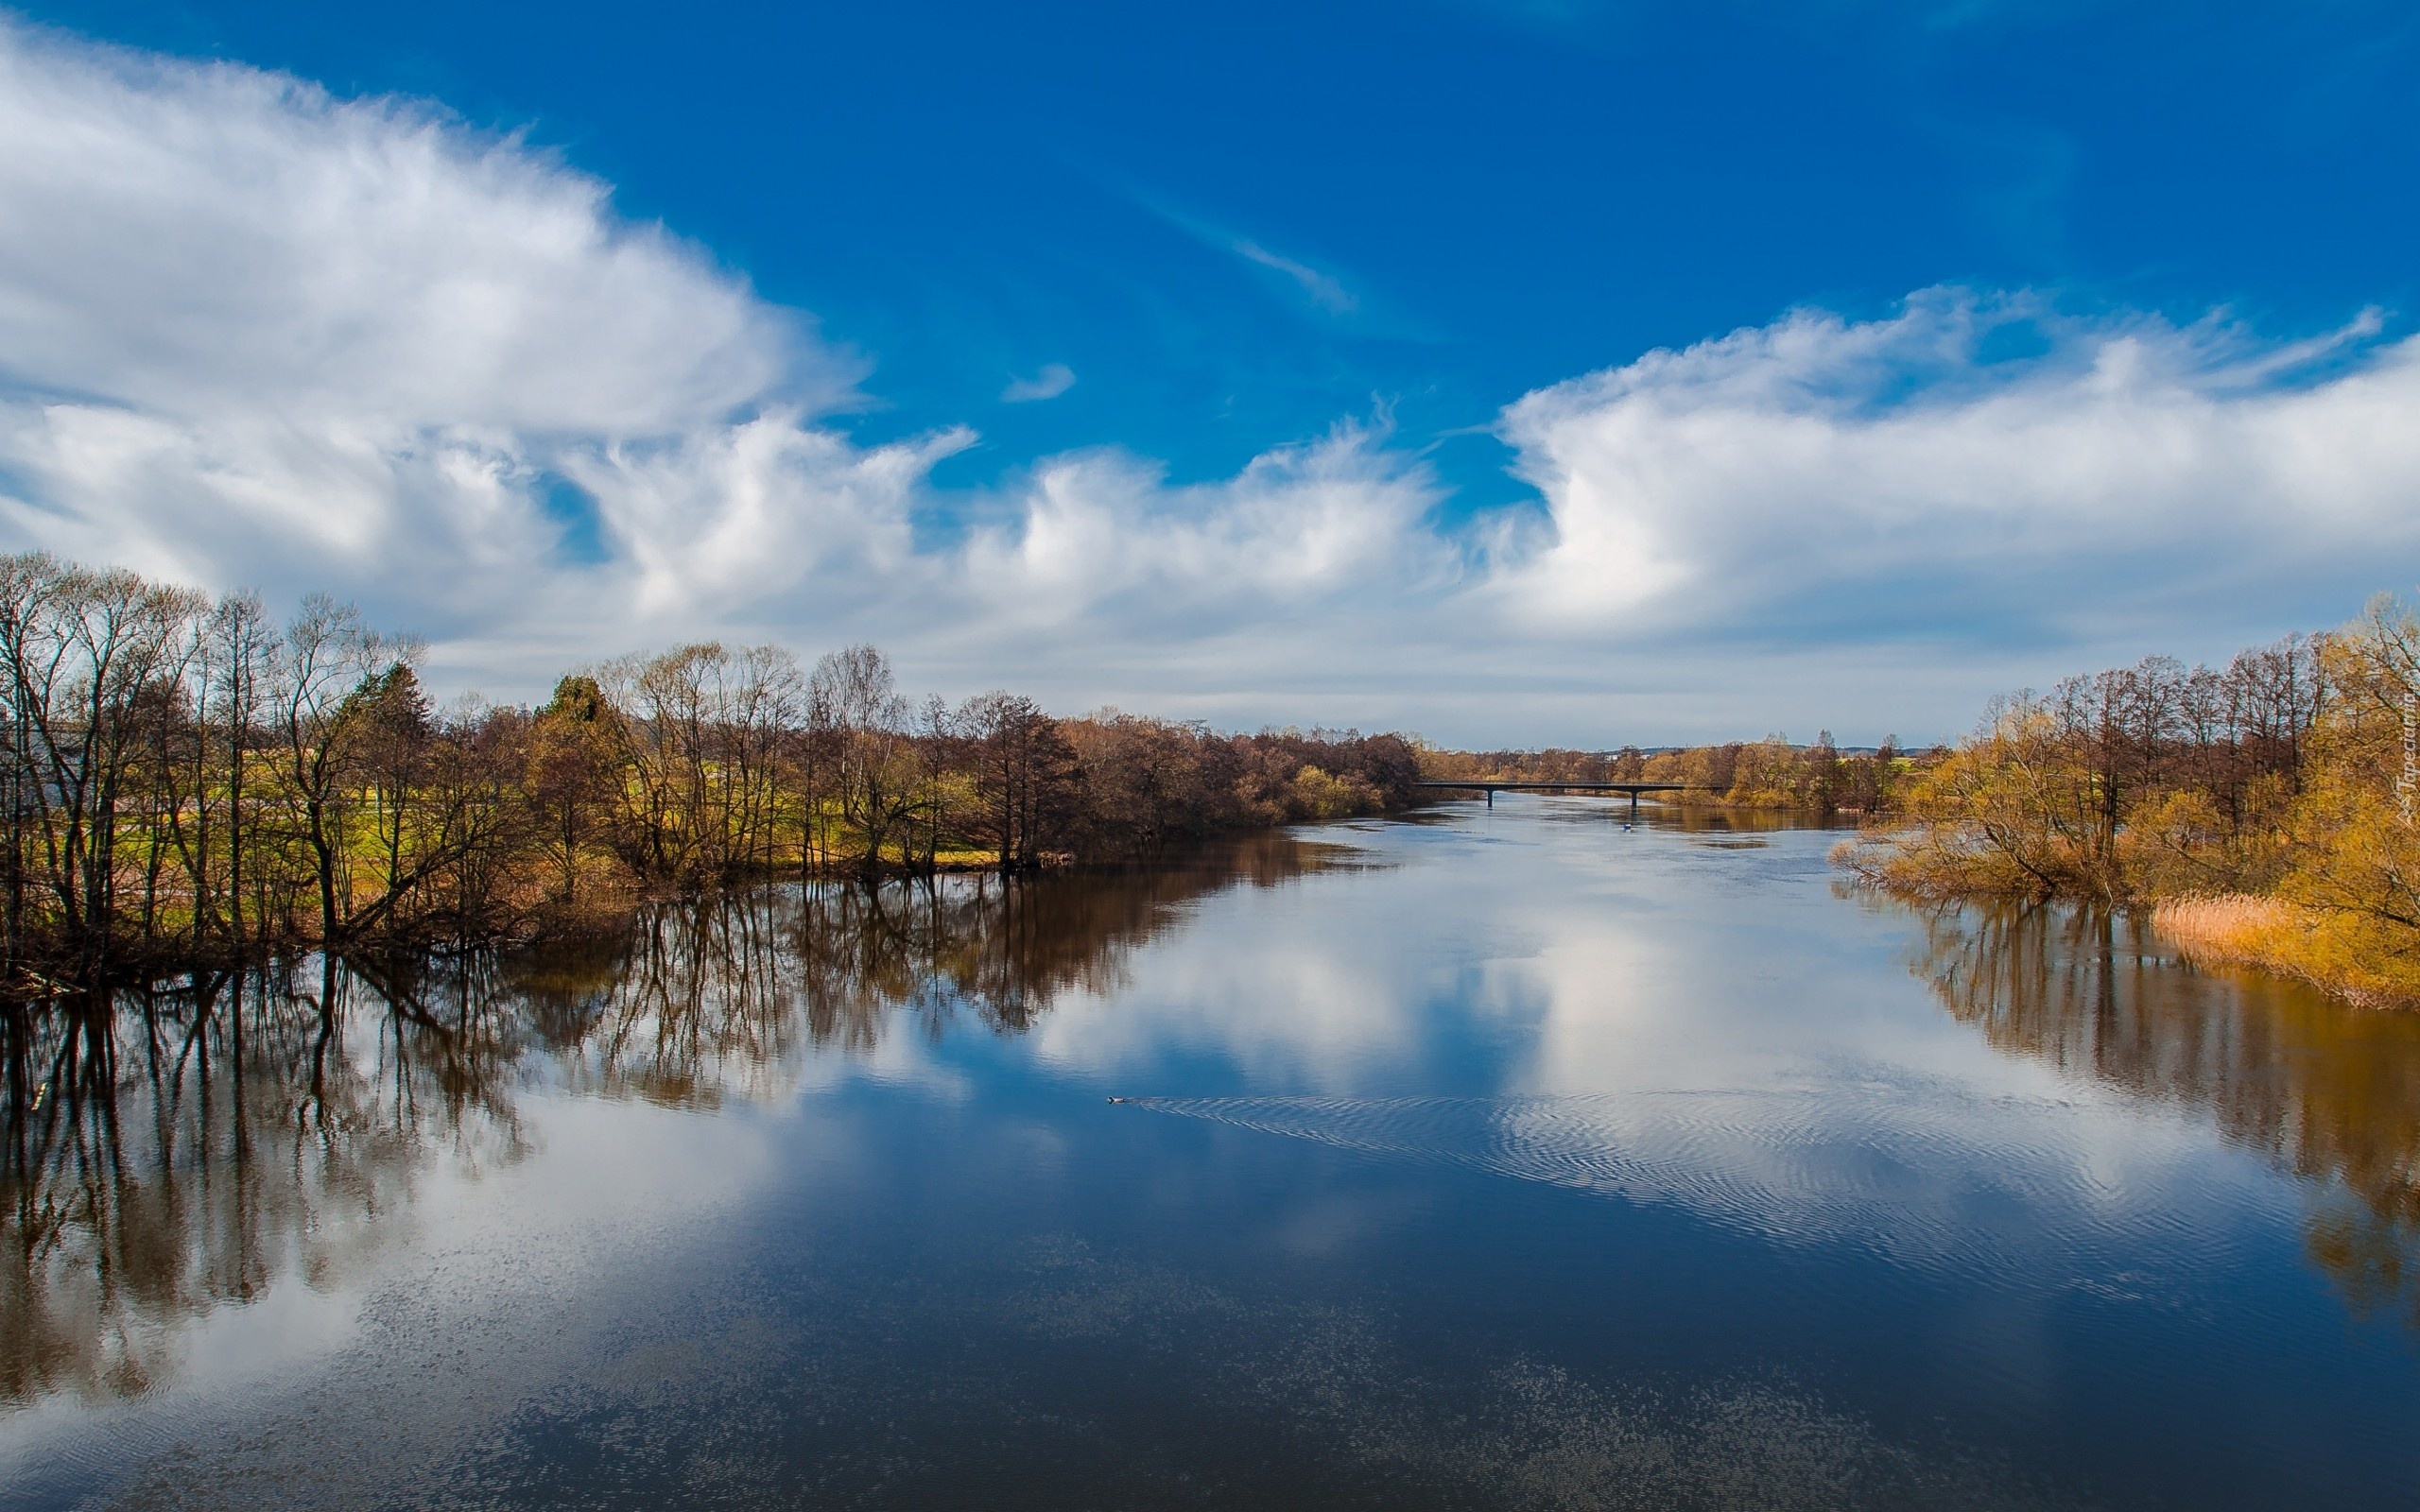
x=2330, y=949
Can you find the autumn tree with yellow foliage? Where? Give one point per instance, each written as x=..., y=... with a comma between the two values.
x=2260, y=812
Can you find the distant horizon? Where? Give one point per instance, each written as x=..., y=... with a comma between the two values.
x=1551, y=376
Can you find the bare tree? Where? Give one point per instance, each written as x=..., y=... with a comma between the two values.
x=877, y=774
x=1024, y=774
x=326, y=657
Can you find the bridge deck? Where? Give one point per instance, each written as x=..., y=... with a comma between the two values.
x=1476, y=783
x=1481, y=784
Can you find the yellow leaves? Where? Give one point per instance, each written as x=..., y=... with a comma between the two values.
x=2178, y=842
x=2014, y=812
x=1319, y=796
x=1765, y=775
x=2265, y=819
x=2356, y=855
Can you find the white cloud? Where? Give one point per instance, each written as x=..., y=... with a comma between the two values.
x=251, y=333
x=248, y=331
x=1302, y=527
x=255, y=334
x=1816, y=473
x=1054, y=379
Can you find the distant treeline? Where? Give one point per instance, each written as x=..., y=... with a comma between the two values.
x=186, y=780
x=1766, y=774
x=2264, y=811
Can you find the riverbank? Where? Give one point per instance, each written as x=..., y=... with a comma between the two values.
x=2260, y=814
x=184, y=783
x=2367, y=968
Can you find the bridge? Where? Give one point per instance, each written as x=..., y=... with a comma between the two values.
x=1491, y=786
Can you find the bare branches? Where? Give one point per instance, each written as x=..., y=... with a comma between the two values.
x=187, y=783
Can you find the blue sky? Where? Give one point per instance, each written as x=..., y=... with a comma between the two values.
x=1276, y=325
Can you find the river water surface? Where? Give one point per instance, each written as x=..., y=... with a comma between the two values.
x=1505, y=1159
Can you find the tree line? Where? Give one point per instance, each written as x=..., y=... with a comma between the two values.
x=2262, y=809
x=1766, y=774
x=186, y=778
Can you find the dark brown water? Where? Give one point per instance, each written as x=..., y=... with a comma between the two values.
x=1508, y=1159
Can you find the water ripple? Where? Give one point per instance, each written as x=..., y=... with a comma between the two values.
x=1917, y=1172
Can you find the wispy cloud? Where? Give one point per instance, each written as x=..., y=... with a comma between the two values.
x=1324, y=289
x=253, y=333
x=1054, y=379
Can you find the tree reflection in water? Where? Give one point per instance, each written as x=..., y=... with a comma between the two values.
x=173, y=1149
x=2329, y=1092
x=170, y=1150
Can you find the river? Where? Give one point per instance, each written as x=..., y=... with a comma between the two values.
x=1497, y=1158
